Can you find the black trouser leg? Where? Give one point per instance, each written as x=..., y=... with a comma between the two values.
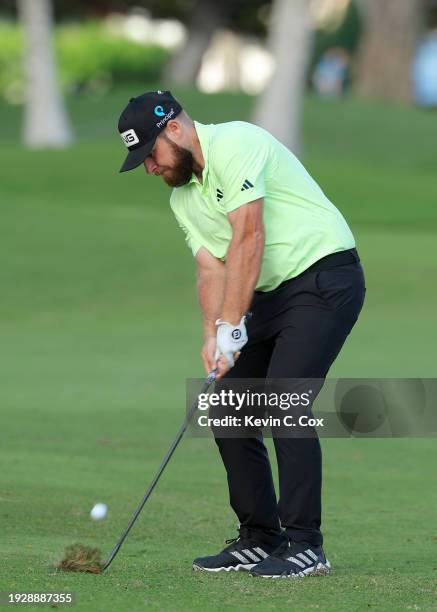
x=304, y=349
x=251, y=490
x=300, y=484
x=296, y=332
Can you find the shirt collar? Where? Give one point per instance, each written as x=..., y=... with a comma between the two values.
x=204, y=135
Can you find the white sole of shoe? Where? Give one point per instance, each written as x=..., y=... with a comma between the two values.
x=237, y=568
x=321, y=569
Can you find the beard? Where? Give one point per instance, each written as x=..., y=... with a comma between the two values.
x=183, y=168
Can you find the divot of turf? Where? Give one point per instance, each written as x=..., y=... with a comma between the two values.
x=80, y=558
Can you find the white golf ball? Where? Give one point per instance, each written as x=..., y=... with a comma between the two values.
x=99, y=512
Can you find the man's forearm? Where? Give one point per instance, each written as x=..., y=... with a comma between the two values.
x=243, y=265
x=210, y=289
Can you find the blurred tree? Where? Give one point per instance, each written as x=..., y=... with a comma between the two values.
x=46, y=123
x=431, y=21
x=207, y=16
x=80, y=9
x=391, y=31
x=168, y=9
x=245, y=15
x=278, y=108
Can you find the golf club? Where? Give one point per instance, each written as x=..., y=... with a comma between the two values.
x=208, y=381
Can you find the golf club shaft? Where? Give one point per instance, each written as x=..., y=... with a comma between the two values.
x=208, y=381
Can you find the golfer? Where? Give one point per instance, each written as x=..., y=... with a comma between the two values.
x=267, y=241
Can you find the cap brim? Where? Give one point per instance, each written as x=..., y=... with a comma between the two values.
x=136, y=157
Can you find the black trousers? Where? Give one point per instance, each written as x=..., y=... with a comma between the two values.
x=295, y=331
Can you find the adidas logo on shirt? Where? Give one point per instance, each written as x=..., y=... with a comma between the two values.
x=219, y=195
x=246, y=185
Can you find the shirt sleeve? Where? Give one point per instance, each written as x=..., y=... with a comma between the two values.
x=239, y=161
x=190, y=240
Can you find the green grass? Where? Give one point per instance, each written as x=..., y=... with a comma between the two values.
x=100, y=329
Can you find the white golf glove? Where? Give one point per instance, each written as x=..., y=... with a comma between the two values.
x=230, y=339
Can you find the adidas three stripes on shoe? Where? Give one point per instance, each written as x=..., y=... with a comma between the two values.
x=242, y=554
x=293, y=560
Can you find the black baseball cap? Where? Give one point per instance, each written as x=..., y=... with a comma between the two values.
x=141, y=122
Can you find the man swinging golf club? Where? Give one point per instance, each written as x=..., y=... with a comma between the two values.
x=266, y=240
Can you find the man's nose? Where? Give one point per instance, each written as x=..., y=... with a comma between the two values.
x=150, y=165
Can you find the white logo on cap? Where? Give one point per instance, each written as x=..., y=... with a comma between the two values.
x=165, y=119
x=130, y=138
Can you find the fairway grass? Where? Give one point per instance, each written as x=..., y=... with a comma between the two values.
x=100, y=329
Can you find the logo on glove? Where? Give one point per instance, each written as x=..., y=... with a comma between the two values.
x=236, y=334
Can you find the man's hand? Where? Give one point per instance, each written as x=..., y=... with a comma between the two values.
x=230, y=341
x=209, y=357
x=208, y=353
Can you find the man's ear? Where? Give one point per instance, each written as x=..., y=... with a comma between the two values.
x=174, y=128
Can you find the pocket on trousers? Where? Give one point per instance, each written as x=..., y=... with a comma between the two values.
x=342, y=287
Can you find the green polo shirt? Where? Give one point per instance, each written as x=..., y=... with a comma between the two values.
x=243, y=162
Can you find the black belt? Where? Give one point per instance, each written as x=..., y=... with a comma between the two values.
x=342, y=258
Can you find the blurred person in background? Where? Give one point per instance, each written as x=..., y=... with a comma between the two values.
x=425, y=71
x=331, y=73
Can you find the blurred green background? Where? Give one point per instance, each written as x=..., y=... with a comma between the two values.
x=100, y=328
